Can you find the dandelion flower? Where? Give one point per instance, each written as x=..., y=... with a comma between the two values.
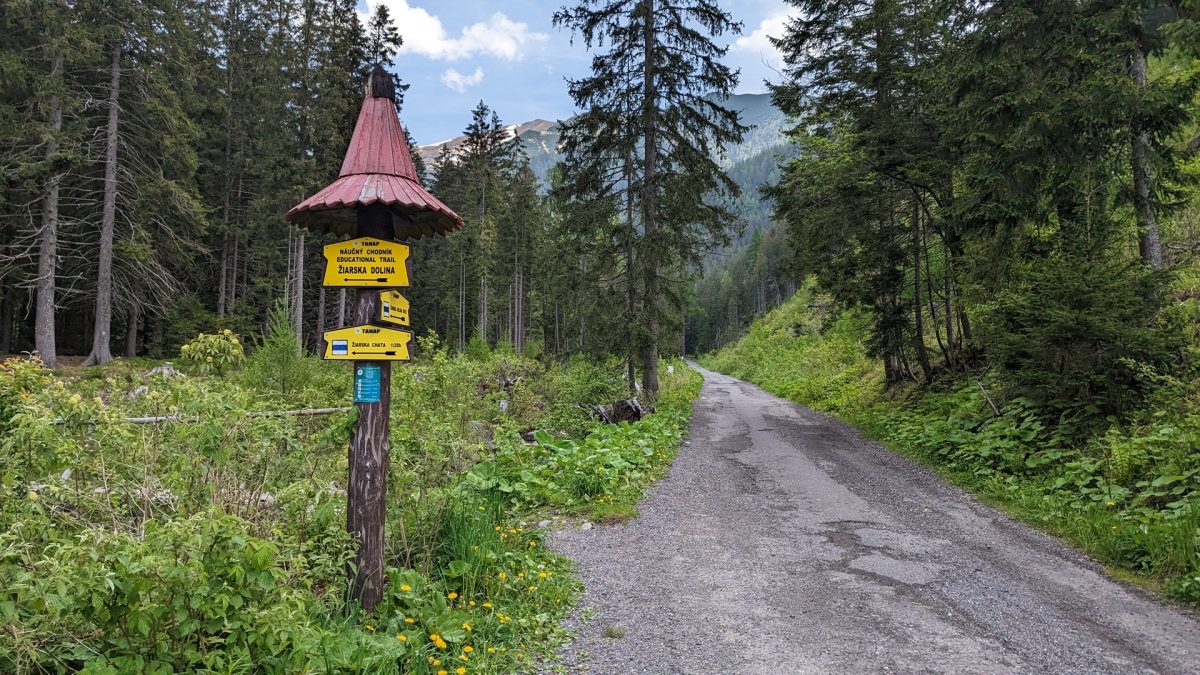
x=461, y=671
x=409, y=619
x=488, y=605
x=502, y=576
x=542, y=575
x=491, y=650
x=406, y=588
x=402, y=638
x=532, y=544
x=370, y=628
x=443, y=672
x=471, y=603
x=468, y=649
x=498, y=528
x=452, y=595
x=467, y=627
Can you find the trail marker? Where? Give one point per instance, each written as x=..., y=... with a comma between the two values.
x=393, y=308
x=367, y=343
x=366, y=263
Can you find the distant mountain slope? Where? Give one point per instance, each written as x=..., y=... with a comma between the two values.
x=540, y=138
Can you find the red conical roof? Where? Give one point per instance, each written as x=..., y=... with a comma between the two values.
x=378, y=169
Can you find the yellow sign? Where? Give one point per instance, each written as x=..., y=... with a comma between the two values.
x=366, y=263
x=367, y=343
x=393, y=308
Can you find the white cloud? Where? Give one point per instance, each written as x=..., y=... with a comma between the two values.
x=459, y=82
x=757, y=43
x=424, y=34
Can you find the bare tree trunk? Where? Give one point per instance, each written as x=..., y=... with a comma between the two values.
x=233, y=282
x=7, y=302
x=224, y=283
x=649, y=197
x=101, y=351
x=462, y=299
x=341, y=307
x=298, y=290
x=131, y=333
x=918, y=321
x=318, y=336
x=1149, y=239
x=43, y=331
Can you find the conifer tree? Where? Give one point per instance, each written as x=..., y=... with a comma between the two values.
x=651, y=122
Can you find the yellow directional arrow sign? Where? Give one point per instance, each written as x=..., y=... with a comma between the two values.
x=366, y=263
x=393, y=308
x=367, y=343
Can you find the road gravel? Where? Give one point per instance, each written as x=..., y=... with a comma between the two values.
x=783, y=542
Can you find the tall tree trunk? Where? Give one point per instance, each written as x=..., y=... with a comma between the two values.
x=101, y=351
x=649, y=197
x=224, y=267
x=918, y=310
x=1149, y=240
x=131, y=333
x=7, y=303
x=341, y=308
x=43, y=331
x=318, y=336
x=298, y=291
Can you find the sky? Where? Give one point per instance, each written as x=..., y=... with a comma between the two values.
x=510, y=55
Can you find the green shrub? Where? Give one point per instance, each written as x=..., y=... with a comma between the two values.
x=215, y=353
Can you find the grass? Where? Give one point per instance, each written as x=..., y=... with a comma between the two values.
x=100, y=562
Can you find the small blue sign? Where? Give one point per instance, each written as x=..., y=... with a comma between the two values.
x=367, y=384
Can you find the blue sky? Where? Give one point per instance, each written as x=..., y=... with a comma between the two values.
x=509, y=54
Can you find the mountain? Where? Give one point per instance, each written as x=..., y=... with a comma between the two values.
x=540, y=138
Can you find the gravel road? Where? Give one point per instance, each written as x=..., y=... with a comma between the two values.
x=782, y=542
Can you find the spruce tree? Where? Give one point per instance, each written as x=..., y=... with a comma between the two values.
x=652, y=123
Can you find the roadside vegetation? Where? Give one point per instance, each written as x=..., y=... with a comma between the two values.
x=1125, y=488
x=215, y=541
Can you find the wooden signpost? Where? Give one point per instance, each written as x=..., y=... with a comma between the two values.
x=376, y=199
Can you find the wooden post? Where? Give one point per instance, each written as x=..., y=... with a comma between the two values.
x=366, y=494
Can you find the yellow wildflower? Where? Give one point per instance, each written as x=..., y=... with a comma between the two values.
x=487, y=605
x=541, y=575
x=532, y=589
x=75, y=399
x=502, y=576
x=440, y=643
x=452, y=595
x=468, y=649
x=491, y=650
x=33, y=496
x=405, y=587
x=471, y=603
x=370, y=628
x=461, y=671
x=443, y=672
x=98, y=401
x=467, y=627
x=532, y=544
x=409, y=619
x=498, y=528
x=402, y=638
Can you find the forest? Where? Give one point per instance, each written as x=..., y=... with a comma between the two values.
x=976, y=241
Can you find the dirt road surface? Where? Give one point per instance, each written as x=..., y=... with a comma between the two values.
x=782, y=542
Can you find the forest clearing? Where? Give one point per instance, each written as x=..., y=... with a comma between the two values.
x=311, y=361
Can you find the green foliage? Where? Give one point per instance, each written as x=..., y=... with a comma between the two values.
x=1075, y=331
x=216, y=541
x=215, y=353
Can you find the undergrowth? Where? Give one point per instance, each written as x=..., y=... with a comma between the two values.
x=215, y=541
x=1129, y=495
